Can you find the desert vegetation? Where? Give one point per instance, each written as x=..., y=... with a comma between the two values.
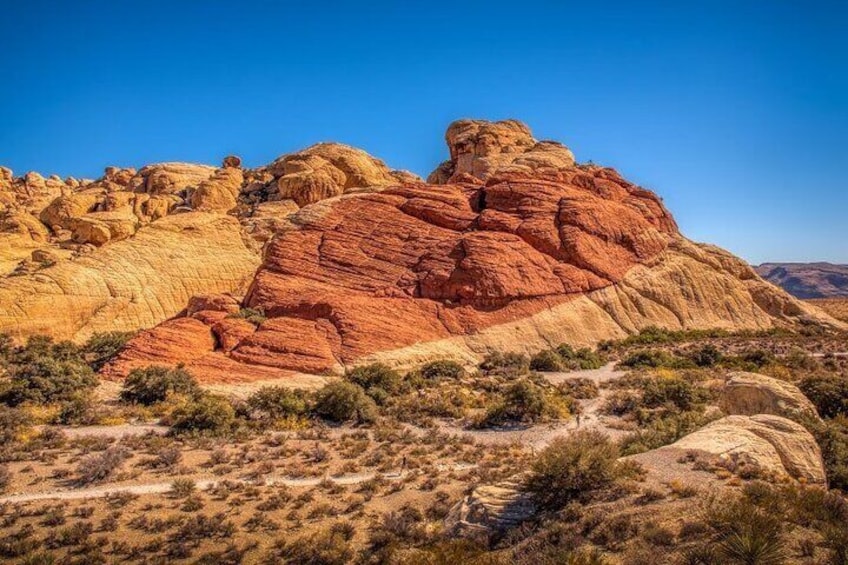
x=368, y=468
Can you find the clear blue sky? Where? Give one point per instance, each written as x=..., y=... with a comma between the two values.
x=735, y=112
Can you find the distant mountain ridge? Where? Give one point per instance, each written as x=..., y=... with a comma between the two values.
x=808, y=280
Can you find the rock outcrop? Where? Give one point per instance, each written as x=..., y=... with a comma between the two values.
x=509, y=245
x=749, y=394
x=491, y=508
x=751, y=446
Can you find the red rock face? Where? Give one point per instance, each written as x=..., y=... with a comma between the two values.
x=420, y=262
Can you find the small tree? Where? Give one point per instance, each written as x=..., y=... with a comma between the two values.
x=277, y=402
x=205, y=413
x=444, y=369
x=154, y=384
x=342, y=401
x=572, y=468
x=377, y=380
x=103, y=347
x=547, y=361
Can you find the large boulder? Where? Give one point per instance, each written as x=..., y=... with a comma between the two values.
x=330, y=169
x=760, y=445
x=749, y=394
x=491, y=508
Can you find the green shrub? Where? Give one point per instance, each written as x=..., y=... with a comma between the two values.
x=103, y=347
x=5, y=478
x=662, y=431
x=832, y=437
x=79, y=411
x=524, y=402
x=443, y=369
x=546, y=361
x=509, y=364
x=379, y=381
x=706, y=356
x=581, y=388
x=204, y=414
x=581, y=359
x=659, y=391
x=274, y=403
x=653, y=359
x=829, y=393
x=573, y=468
x=155, y=384
x=13, y=422
x=342, y=401
x=46, y=372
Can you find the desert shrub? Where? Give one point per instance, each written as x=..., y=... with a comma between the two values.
x=78, y=411
x=13, y=422
x=523, y=402
x=547, y=360
x=100, y=466
x=675, y=390
x=509, y=364
x=330, y=546
x=443, y=369
x=662, y=430
x=274, y=403
x=653, y=359
x=154, y=384
x=829, y=393
x=167, y=458
x=832, y=437
x=758, y=357
x=103, y=347
x=622, y=402
x=182, y=487
x=583, y=358
x=342, y=401
x=206, y=413
x=404, y=527
x=747, y=533
x=46, y=372
x=378, y=381
x=800, y=360
x=253, y=315
x=5, y=478
x=706, y=356
x=572, y=468
x=581, y=389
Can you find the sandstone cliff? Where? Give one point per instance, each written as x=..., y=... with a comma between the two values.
x=510, y=244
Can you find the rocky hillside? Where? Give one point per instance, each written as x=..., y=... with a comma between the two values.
x=509, y=244
x=808, y=280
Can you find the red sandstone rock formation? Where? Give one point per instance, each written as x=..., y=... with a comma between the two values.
x=511, y=245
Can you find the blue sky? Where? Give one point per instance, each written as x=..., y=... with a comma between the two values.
x=735, y=112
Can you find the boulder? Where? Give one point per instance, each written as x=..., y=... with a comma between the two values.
x=330, y=169
x=491, y=508
x=170, y=178
x=749, y=394
x=763, y=444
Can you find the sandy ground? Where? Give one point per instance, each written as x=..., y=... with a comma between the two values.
x=533, y=437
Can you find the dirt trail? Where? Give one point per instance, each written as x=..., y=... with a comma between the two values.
x=206, y=483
